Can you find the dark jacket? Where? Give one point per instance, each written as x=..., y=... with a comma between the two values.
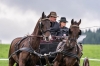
x=54, y=28
x=63, y=30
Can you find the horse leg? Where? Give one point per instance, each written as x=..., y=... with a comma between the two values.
x=23, y=57
x=21, y=62
x=56, y=63
x=34, y=60
x=58, y=59
x=67, y=62
x=11, y=62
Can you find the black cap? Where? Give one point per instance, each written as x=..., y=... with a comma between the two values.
x=63, y=19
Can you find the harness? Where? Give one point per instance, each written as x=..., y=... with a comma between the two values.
x=18, y=43
x=28, y=49
x=70, y=54
x=67, y=52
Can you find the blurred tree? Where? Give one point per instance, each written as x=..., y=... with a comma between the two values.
x=92, y=37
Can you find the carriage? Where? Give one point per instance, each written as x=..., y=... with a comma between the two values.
x=50, y=47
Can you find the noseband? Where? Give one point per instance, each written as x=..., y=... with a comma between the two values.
x=74, y=26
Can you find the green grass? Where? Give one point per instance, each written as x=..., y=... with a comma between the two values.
x=90, y=51
x=92, y=63
x=3, y=63
x=4, y=49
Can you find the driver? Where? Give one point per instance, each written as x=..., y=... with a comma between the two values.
x=63, y=29
x=54, y=24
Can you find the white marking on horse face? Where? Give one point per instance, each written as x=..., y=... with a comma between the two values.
x=50, y=38
x=45, y=38
x=40, y=23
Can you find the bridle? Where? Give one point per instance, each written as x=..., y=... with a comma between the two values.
x=69, y=44
x=42, y=32
x=72, y=39
x=40, y=27
x=74, y=26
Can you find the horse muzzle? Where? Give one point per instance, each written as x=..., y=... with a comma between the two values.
x=47, y=39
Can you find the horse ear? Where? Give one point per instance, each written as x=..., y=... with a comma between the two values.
x=69, y=31
x=80, y=32
x=43, y=15
x=79, y=22
x=72, y=21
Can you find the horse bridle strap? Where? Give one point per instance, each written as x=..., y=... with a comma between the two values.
x=40, y=26
x=45, y=31
x=75, y=26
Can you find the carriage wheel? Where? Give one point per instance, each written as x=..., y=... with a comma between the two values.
x=86, y=62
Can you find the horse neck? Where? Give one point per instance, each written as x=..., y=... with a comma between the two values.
x=74, y=39
x=36, y=40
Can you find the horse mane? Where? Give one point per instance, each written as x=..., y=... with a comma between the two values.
x=36, y=28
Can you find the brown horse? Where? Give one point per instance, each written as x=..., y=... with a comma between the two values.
x=22, y=49
x=70, y=55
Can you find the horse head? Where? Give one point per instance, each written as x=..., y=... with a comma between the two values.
x=44, y=26
x=74, y=29
x=74, y=32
